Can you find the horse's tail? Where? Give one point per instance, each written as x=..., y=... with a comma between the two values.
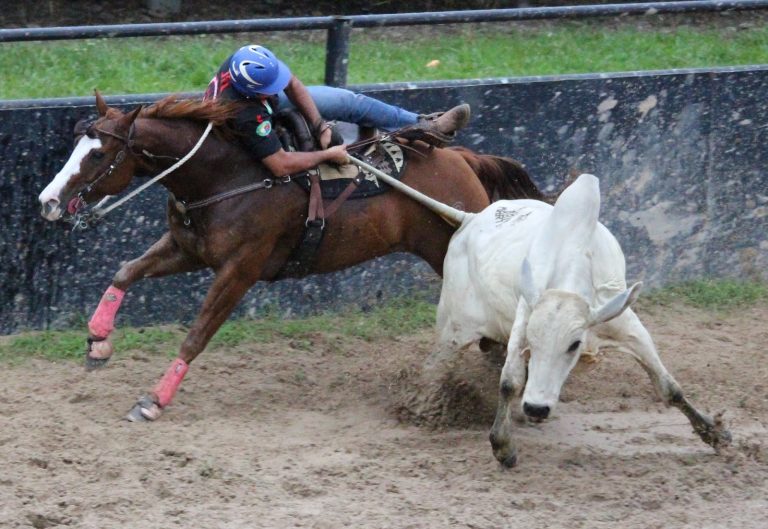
x=502, y=178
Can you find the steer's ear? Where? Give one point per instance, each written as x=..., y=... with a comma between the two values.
x=615, y=305
x=527, y=286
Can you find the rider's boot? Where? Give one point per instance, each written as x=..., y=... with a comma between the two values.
x=447, y=122
x=438, y=129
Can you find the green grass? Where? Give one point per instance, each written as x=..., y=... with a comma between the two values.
x=180, y=64
x=711, y=294
x=398, y=318
x=70, y=345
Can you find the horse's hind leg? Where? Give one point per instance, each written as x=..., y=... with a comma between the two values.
x=163, y=258
x=231, y=283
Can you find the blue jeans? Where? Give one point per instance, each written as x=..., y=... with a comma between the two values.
x=339, y=104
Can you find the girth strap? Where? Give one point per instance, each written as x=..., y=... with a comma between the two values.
x=315, y=212
x=336, y=204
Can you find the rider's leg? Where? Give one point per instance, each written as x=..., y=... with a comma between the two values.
x=343, y=105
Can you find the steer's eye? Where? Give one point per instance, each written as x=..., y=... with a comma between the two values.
x=97, y=155
x=575, y=345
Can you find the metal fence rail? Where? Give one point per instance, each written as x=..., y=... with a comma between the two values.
x=339, y=28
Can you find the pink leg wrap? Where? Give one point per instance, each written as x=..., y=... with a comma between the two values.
x=166, y=388
x=103, y=321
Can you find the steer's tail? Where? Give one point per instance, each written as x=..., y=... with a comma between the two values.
x=502, y=178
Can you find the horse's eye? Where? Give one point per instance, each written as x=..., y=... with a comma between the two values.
x=575, y=345
x=97, y=155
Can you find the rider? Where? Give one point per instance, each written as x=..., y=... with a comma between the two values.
x=255, y=74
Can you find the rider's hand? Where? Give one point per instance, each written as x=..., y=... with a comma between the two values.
x=325, y=138
x=338, y=154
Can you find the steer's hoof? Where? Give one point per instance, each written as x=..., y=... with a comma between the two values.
x=98, y=353
x=145, y=409
x=714, y=432
x=507, y=457
x=503, y=451
x=509, y=461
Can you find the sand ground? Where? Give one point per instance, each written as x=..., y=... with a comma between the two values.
x=303, y=433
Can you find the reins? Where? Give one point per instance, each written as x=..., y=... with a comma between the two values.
x=184, y=207
x=82, y=221
x=159, y=177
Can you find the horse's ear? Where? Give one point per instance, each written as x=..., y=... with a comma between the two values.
x=101, y=105
x=126, y=120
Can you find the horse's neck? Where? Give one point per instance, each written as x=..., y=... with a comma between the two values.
x=217, y=165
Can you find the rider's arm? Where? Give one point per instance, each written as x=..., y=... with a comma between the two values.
x=256, y=133
x=283, y=163
x=299, y=96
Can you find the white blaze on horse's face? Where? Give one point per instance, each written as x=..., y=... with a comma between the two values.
x=51, y=197
x=556, y=332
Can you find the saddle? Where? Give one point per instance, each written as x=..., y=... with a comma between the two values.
x=339, y=183
x=387, y=156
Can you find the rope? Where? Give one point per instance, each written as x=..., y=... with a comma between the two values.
x=453, y=216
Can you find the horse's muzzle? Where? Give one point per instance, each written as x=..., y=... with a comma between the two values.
x=51, y=210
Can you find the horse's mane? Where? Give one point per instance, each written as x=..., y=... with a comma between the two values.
x=219, y=112
x=502, y=177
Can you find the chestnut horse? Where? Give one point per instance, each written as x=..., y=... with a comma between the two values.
x=249, y=237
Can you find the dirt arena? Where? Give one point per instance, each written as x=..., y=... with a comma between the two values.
x=305, y=434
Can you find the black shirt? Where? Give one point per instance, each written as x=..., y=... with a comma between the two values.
x=254, y=122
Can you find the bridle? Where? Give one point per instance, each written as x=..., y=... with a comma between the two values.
x=120, y=157
x=82, y=221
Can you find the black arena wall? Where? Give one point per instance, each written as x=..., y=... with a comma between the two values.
x=681, y=157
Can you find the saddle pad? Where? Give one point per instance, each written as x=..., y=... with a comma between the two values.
x=386, y=156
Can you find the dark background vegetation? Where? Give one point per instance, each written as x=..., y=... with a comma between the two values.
x=89, y=12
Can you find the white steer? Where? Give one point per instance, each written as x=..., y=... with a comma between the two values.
x=548, y=280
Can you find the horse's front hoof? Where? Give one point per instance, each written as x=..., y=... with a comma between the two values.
x=92, y=364
x=98, y=353
x=145, y=409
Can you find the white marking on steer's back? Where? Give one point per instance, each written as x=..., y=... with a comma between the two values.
x=53, y=190
x=566, y=246
x=481, y=269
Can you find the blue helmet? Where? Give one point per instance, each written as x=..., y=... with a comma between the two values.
x=255, y=71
